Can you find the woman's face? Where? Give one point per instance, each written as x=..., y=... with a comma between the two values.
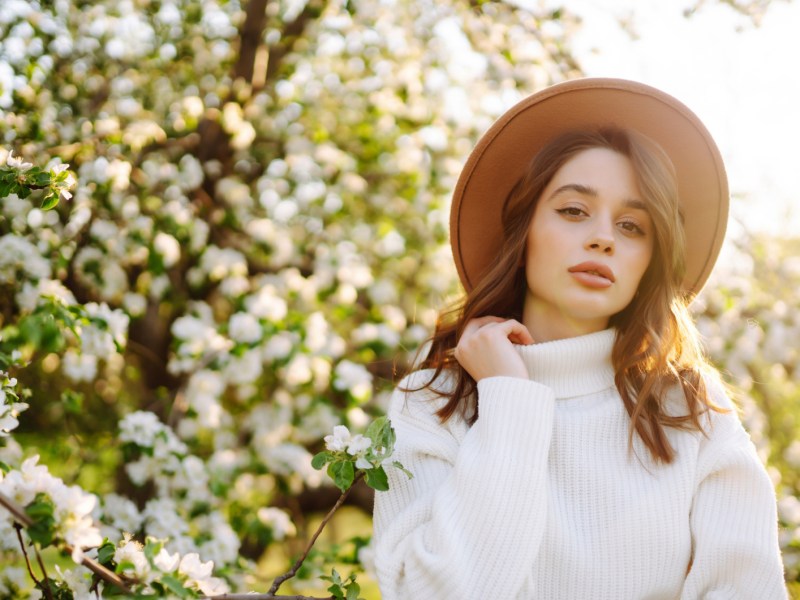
x=589, y=244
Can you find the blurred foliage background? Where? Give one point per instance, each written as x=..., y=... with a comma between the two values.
x=261, y=218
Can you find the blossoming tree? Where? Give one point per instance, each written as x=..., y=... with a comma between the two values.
x=253, y=250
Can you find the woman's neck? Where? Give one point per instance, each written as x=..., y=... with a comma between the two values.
x=545, y=327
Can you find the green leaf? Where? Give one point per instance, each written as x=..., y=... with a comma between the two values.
x=151, y=549
x=40, y=511
x=105, y=553
x=342, y=473
x=175, y=586
x=353, y=590
x=336, y=592
x=398, y=465
x=50, y=201
x=5, y=188
x=321, y=459
x=376, y=479
x=378, y=431
x=73, y=401
x=39, y=177
x=125, y=565
x=51, y=338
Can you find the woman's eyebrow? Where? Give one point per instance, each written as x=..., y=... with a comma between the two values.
x=575, y=187
x=637, y=204
x=586, y=190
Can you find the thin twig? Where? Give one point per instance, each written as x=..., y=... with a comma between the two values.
x=46, y=585
x=47, y=591
x=18, y=527
x=94, y=566
x=293, y=571
x=265, y=597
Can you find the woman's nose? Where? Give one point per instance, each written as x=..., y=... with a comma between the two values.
x=602, y=239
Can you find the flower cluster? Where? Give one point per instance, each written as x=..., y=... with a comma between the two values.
x=69, y=508
x=347, y=454
x=355, y=445
x=10, y=407
x=151, y=562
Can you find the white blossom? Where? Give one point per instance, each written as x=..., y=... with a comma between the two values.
x=244, y=369
x=121, y=513
x=168, y=247
x=338, y=440
x=130, y=555
x=32, y=295
x=278, y=521
x=162, y=519
x=266, y=304
x=354, y=378
x=73, y=509
x=219, y=263
x=358, y=444
x=141, y=428
x=244, y=328
x=166, y=562
x=79, y=366
x=17, y=163
x=18, y=255
x=9, y=411
x=194, y=568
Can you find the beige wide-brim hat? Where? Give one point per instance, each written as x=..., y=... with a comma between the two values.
x=506, y=149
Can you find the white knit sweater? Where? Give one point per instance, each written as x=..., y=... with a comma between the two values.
x=541, y=498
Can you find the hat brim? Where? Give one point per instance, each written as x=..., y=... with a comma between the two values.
x=506, y=149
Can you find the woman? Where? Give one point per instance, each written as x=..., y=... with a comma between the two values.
x=566, y=437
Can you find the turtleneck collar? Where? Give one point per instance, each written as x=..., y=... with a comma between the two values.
x=574, y=366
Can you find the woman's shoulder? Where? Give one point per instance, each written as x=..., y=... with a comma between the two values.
x=720, y=420
x=719, y=413
x=421, y=394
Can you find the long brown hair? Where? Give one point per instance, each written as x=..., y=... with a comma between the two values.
x=656, y=346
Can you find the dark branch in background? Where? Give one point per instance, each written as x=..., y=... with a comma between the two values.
x=290, y=34
x=250, y=39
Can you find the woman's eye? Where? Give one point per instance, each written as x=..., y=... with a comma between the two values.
x=571, y=211
x=631, y=227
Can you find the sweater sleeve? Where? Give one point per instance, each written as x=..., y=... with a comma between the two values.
x=470, y=521
x=733, y=520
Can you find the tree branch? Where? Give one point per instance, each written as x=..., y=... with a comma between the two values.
x=264, y=597
x=250, y=39
x=18, y=527
x=293, y=571
x=291, y=33
x=94, y=566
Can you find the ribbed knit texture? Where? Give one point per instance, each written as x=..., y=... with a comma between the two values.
x=541, y=497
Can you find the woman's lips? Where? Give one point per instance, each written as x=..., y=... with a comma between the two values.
x=592, y=274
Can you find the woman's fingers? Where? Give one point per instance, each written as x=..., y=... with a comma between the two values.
x=485, y=347
x=516, y=331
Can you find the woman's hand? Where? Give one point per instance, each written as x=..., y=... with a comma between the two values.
x=485, y=348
